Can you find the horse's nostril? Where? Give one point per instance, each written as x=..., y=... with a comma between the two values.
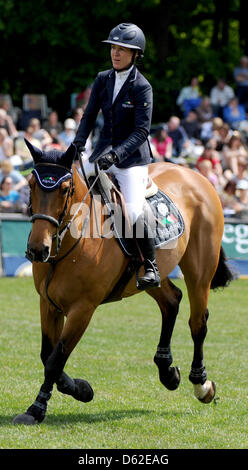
x=46, y=253
x=29, y=255
x=38, y=254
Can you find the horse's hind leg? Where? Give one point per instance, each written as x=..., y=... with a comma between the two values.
x=198, y=291
x=204, y=389
x=168, y=298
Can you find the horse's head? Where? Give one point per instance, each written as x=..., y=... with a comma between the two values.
x=51, y=187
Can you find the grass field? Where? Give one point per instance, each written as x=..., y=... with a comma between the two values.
x=131, y=409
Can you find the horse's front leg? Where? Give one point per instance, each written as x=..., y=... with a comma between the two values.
x=52, y=325
x=76, y=323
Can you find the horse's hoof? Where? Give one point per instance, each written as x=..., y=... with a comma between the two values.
x=174, y=382
x=83, y=390
x=24, y=419
x=171, y=379
x=210, y=394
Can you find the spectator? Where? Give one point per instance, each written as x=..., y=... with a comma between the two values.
x=6, y=145
x=221, y=133
x=241, y=80
x=243, y=129
x=52, y=125
x=40, y=134
x=205, y=111
x=67, y=136
x=77, y=115
x=242, y=190
x=234, y=113
x=232, y=151
x=83, y=97
x=178, y=135
x=8, y=196
x=193, y=130
x=229, y=200
x=163, y=145
x=212, y=155
x=7, y=123
x=7, y=105
x=242, y=173
x=220, y=95
x=189, y=97
x=205, y=117
x=155, y=154
x=206, y=169
x=191, y=126
x=24, y=200
x=6, y=169
x=22, y=150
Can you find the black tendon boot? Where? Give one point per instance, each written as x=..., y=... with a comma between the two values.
x=145, y=240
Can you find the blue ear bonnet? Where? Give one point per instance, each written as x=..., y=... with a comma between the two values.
x=50, y=176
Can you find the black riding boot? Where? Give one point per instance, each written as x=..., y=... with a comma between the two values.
x=151, y=277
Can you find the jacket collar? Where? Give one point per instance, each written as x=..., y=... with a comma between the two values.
x=111, y=83
x=132, y=76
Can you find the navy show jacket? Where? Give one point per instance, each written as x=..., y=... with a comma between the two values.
x=127, y=121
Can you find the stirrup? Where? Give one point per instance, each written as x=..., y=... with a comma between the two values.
x=151, y=277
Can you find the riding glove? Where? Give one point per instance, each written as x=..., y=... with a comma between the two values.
x=80, y=148
x=107, y=160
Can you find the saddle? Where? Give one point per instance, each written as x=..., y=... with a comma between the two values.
x=163, y=217
x=109, y=189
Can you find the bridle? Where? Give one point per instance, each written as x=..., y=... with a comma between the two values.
x=61, y=231
x=57, y=223
x=60, y=228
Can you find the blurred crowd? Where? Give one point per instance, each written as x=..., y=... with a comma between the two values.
x=208, y=133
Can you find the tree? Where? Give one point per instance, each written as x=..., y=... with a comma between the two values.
x=54, y=47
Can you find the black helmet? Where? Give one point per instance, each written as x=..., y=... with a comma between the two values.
x=127, y=35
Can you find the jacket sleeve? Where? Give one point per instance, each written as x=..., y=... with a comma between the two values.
x=143, y=100
x=89, y=117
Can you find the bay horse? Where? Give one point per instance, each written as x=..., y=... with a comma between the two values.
x=73, y=276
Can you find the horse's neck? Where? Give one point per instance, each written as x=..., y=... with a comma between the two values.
x=85, y=203
x=80, y=187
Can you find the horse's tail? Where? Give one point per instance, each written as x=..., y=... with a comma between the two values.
x=223, y=275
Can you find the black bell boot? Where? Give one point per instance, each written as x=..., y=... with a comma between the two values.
x=151, y=277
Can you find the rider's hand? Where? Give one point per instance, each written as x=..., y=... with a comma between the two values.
x=107, y=160
x=80, y=148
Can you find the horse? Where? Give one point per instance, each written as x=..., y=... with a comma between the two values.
x=73, y=275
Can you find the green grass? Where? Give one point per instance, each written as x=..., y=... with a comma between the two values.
x=131, y=409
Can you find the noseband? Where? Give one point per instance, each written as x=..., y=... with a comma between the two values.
x=45, y=217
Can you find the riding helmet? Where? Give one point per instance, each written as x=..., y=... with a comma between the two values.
x=127, y=35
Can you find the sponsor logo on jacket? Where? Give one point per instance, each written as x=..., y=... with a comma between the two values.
x=128, y=104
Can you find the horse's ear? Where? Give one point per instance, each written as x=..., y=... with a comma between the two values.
x=35, y=152
x=68, y=157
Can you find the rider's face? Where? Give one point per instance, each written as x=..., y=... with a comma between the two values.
x=121, y=57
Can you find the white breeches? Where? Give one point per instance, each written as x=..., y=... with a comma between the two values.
x=132, y=182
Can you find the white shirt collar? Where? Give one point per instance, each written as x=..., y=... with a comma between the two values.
x=123, y=74
x=120, y=78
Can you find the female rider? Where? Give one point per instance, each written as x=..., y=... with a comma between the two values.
x=125, y=98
